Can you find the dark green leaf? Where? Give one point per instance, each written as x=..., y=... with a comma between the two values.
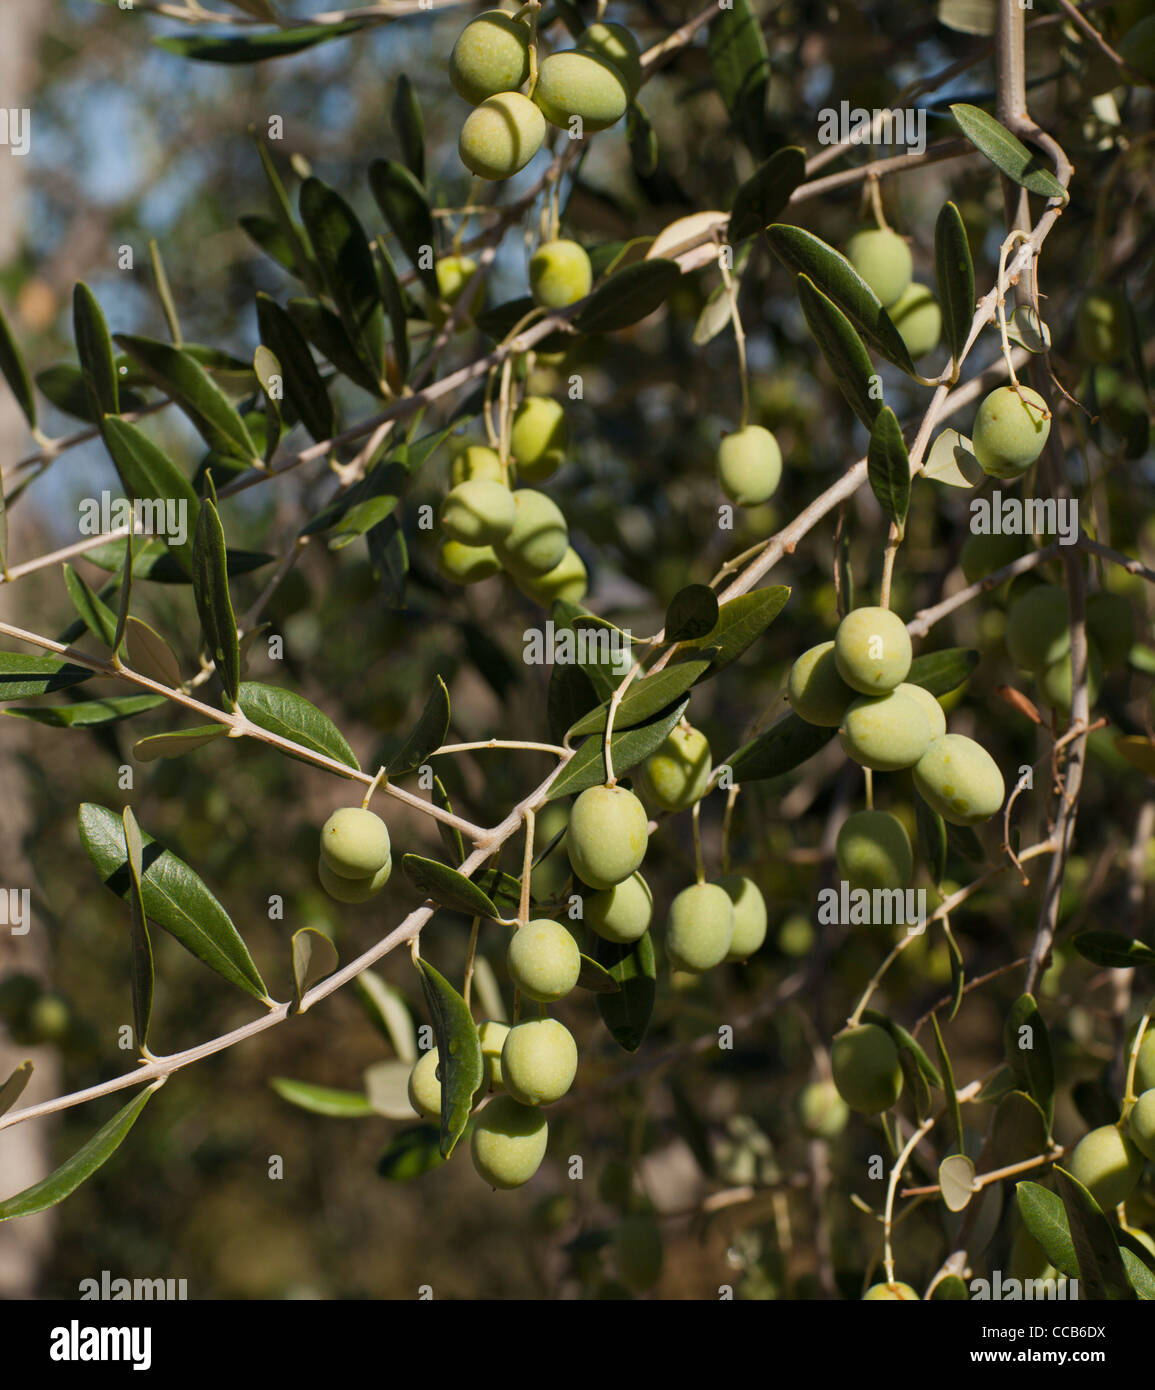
x=409, y=127
x=177, y=743
x=1006, y=151
x=151, y=477
x=98, y=618
x=447, y=887
x=570, y=696
x=180, y=376
x=917, y=1091
x=459, y=1057
x=152, y=563
x=65, y=387
x=214, y=606
x=497, y=323
x=931, y=838
x=629, y=296
x=1045, y=1218
x=427, y=736
x=16, y=373
x=962, y=840
x=944, y=671
x=314, y=957
x=740, y=64
x=327, y=334
x=955, y=275
x=627, y=1013
x=833, y=275
x=502, y=889
x=1101, y=1270
x=1112, y=949
x=740, y=623
x=784, y=746
x=393, y=297
x=642, y=138
x=256, y=48
x=22, y=677
x=596, y=978
x=450, y=835
x=125, y=606
x=842, y=347
x=89, y=713
x=291, y=716
x=1001, y=1083
x=405, y=206
x=643, y=699
x=322, y=1100
x=692, y=612
x=628, y=747
x=1027, y=1046
x=362, y=506
x=350, y=277
x=269, y=235
x=600, y=658
x=175, y=898
x=948, y=1085
x=83, y=1163
x=142, y=969
x=305, y=391
x=389, y=556
x=94, y=348
x=766, y=192
x=888, y=467
x=411, y=1153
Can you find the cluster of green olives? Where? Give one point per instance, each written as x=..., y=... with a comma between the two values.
x=857, y=684
x=883, y=260
x=356, y=858
x=487, y=527
x=1038, y=638
x=585, y=88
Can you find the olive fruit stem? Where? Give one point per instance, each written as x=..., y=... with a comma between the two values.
x=727, y=820
x=553, y=748
x=869, y=788
x=1012, y=240
x=1129, y=1096
x=470, y=957
x=893, y=541
x=381, y=778
x=895, y=1173
x=874, y=194
x=526, y=869
x=505, y=411
x=699, y=867
x=611, y=713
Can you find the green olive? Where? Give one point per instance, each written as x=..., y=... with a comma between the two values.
x=560, y=274
x=822, y=1110
x=883, y=260
x=637, y=1244
x=352, y=890
x=872, y=650
x=614, y=44
x=1102, y=327
x=539, y=438
x=607, y=837
x=467, y=564
x=678, y=771
x=1108, y=1164
x=960, y=780
x=1111, y=622
x=491, y=55
x=817, y=693
x=864, y=1062
x=355, y=842
x=501, y=136
x=749, y=465
x=544, y=961
x=508, y=1142
x=538, y=539
x=539, y=1061
x=476, y=462
x=1141, y=1124
x=622, y=913
x=1038, y=628
x=873, y=851
x=891, y=1293
x=478, y=512
x=567, y=580
x=425, y=1086
x=492, y=1035
x=750, y=916
x=700, y=927
x=1010, y=430
x=578, y=86
x=916, y=315
x=886, y=732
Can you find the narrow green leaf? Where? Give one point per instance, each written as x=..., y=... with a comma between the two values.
x=627, y=1013
x=125, y=605
x=411, y=1153
x=740, y=64
x=389, y=1013
x=327, y=333
x=1045, y=1218
x=65, y=387
x=387, y=1089
x=447, y=887
x=322, y=1100
x=142, y=968
x=16, y=373
x=834, y=276
x=405, y=206
x=570, y=696
x=503, y=890
x=628, y=747
x=642, y=139
x=256, y=48
x=1101, y=1270
x=13, y=1088
x=450, y=835
x=596, y=978
x=459, y=1057
x=175, y=898
x=604, y=658
x=1018, y=1132
x=409, y=127
x=951, y=1289
x=362, y=506
x=150, y=655
x=89, y=714
x=888, y=467
x=692, y=612
x=1027, y=1047
x=766, y=192
x=643, y=699
x=348, y=271
x=393, y=297
x=268, y=235
x=740, y=623
x=905, y=1040
x=22, y=677
x=98, y=618
x=94, y=348
x=179, y=375
x=944, y=671
x=150, y=477
x=270, y=374
x=1006, y=151
x=784, y=746
x=305, y=265
x=1138, y=1270
x=931, y=838
x=314, y=957
x=1112, y=949
x=842, y=347
x=214, y=606
x=955, y=275
x=291, y=716
x=427, y=735
x=151, y=563
x=957, y=973
x=83, y=1163
x=629, y=296
x=952, y=1100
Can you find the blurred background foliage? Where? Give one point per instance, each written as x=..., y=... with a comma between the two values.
x=131, y=143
